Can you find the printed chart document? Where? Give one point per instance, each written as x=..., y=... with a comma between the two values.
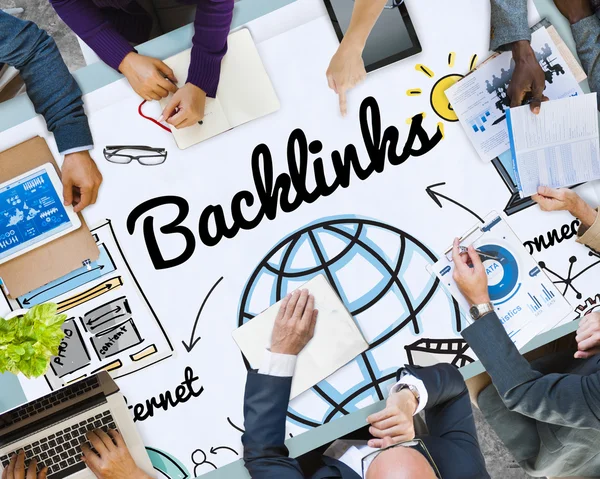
x=480, y=99
x=558, y=147
x=245, y=91
x=336, y=342
x=525, y=299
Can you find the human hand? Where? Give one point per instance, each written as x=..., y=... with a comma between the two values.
x=81, y=180
x=346, y=70
x=471, y=279
x=295, y=323
x=527, y=76
x=574, y=10
x=112, y=460
x=588, y=336
x=395, y=421
x=146, y=75
x=186, y=107
x=16, y=469
x=556, y=199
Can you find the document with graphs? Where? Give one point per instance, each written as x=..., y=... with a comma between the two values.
x=558, y=147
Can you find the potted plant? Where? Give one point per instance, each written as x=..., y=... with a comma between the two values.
x=29, y=339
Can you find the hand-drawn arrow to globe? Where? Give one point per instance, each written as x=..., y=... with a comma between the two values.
x=193, y=340
x=435, y=196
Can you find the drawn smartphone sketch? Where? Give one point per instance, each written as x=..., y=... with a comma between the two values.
x=111, y=324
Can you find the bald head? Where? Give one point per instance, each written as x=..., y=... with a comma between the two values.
x=400, y=463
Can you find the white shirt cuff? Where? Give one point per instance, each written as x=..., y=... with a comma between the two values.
x=411, y=380
x=275, y=364
x=77, y=150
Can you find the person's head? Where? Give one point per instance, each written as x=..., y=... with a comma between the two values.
x=400, y=463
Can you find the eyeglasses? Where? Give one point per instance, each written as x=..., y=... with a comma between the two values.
x=417, y=444
x=125, y=154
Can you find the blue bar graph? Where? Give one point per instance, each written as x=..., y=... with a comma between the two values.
x=478, y=121
x=547, y=295
x=536, y=304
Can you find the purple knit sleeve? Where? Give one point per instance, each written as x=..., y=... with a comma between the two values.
x=90, y=24
x=213, y=20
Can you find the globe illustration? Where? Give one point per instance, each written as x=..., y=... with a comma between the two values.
x=379, y=272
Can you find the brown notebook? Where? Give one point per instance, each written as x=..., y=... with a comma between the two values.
x=52, y=260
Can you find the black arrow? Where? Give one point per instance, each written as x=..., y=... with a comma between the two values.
x=213, y=450
x=27, y=300
x=193, y=341
x=92, y=321
x=435, y=196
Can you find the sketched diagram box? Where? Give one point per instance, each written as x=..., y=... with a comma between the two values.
x=109, y=314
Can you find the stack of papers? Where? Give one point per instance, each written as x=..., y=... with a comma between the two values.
x=558, y=147
x=480, y=99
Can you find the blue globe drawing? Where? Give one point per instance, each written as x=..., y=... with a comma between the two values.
x=379, y=273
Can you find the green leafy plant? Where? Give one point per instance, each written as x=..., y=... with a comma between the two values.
x=28, y=342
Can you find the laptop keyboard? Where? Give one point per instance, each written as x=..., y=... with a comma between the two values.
x=61, y=451
x=51, y=400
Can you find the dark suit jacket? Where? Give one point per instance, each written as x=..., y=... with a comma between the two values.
x=452, y=439
x=547, y=413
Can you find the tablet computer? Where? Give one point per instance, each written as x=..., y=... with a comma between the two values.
x=32, y=212
x=393, y=37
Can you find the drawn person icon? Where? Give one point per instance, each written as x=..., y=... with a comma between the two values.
x=489, y=86
x=199, y=459
x=496, y=83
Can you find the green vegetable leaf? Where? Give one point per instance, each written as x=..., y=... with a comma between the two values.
x=28, y=342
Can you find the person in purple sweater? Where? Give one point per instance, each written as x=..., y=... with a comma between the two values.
x=112, y=27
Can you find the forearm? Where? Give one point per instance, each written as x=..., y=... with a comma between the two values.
x=93, y=27
x=364, y=17
x=508, y=23
x=564, y=399
x=211, y=27
x=586, y=32
x=51, y=88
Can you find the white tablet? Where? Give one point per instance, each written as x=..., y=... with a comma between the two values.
x=32, y=212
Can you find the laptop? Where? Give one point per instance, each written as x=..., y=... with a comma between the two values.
x=53, y=428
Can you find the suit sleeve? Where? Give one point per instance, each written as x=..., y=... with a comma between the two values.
x=586, y=33
x=51, y=88
x=265, y=407
x=508, y=23
x=564, y=399
x=590, y=237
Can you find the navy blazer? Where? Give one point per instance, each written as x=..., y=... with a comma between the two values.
x=452, y=439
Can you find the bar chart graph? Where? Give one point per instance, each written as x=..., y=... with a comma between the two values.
x=478, y=122
x=546, y=296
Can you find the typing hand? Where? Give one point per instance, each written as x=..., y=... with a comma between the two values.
x=555, y=199
x=395, y=421
x=146, y=75
x=186, y=107
x=81, y=180
x=471, y=279
x=16, y=469
x=295, y=323
x=112, y=460
x=588, y=336
x=346, y=70
x=528, y=76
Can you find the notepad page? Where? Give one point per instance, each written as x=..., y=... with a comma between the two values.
x=245, y=89
x=215, y=120
x=557, y=147
x=336, y=342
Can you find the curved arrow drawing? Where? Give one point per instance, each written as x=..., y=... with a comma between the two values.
x=91, y=321
x=27, y=300
x=234, y=426
x=213, y=450
x=435, y=196
x=168, y=465
x=193, y=340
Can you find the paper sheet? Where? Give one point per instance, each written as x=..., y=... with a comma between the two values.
x=480, y=100
x=337, y=339
x=558, y=147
